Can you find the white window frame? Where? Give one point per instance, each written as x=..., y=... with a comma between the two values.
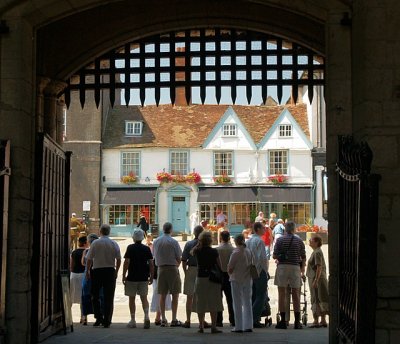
x=129, y=166
x=219, y=170
x=133, y=128
x=274, y=162
x=177, y=167
x=229, y=130
x=285, y=130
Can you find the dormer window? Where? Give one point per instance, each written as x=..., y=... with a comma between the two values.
x=229, y=130
x=285, y=130
x=133, y=128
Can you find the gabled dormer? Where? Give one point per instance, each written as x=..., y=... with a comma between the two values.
x=286, y=133
x=229, y=133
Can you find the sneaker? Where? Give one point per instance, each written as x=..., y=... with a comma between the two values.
x=281, y=325
x=146, y=324
x=186, y=324
x=176, y=323
x=164, y=323
x=131, y=324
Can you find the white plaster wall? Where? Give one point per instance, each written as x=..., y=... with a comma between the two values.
x=162, y=207
x=202, y=161
x=244, y=167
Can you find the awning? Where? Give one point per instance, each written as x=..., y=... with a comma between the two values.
x=129, y=196
x=227, y=195
x=284, y=195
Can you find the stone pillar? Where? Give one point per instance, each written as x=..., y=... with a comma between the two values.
x=319, y=220
x=51, y=92
x=60, y=120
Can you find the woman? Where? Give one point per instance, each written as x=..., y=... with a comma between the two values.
x=143, y=225
x=207, y=297
x=241, y=283
x=86, y=297
x=318, y=282
x=77, y=273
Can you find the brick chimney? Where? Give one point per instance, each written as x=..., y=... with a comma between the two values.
x=180, y=98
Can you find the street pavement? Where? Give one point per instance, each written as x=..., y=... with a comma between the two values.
x=119, y=333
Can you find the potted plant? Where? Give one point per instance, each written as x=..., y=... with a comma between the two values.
x=223, y=179
x=164, y=177
x=193, y=178
x=277, y=179
x=131, y=178
x=178, y=178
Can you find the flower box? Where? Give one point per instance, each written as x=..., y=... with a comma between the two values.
x=131, y=178
x=222, y=179
x=193, y=178
x=164, y=177
x=277, y=179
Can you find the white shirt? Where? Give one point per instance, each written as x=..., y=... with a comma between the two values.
x=257, y=249
x=240, y=262
x=103, y=252
x=166, y=251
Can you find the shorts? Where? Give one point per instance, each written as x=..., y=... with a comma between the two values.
x=168, y=279
x=190, y=280
x=287, y=275
x=136, y=288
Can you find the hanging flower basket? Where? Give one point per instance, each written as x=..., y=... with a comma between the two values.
x=164, y=177
x=193, y=178
x=278, y=179
x=131, y=178
x=222, y=179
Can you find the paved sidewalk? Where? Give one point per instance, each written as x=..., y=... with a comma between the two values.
x=119, y=333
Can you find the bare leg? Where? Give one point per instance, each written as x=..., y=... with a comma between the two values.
x=213, y=320
x=282, y=299
x=201, y=320
x=189, y=303
x=145, y=305
x=162, y=306
x=174, y=305
x=296, y=299
x=132, y=306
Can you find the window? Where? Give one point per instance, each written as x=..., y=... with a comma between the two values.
x=179, y=163
x=133, y=128
x=223, y=163
x=229, y=130
x=130, y=163
x=278, y=162
x=285, y=130
x=122, y=215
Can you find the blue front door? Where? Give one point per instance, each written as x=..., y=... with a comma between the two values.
x=179, y=213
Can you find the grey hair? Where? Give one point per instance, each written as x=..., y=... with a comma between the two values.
x=167, y=227
x=105, y=229
x=92, y=237
x=290, y=226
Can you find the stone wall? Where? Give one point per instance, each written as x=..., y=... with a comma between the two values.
x=376, y=113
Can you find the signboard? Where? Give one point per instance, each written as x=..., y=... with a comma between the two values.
x=86, y=205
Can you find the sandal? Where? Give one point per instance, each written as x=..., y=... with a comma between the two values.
x=186, y=324
x=157, y=322
x=176, y=323
x=164, y=323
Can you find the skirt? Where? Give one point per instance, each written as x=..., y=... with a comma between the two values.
x=155, y=300
x=207, y=296
x=75, y=287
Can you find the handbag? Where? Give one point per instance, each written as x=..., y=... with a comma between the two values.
x=215, y=274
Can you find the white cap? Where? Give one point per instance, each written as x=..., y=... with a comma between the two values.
x=137, y=235
x=73, y=214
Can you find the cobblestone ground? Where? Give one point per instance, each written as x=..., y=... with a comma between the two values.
x=119, y=333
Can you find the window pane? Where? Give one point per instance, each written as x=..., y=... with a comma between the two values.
x=278, y=162
x=179, y=163
x=130, y=163
x=285, y=130
x=223, y=163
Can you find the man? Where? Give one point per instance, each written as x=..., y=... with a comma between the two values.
x=167, y=255
x=189, y=265
x=103, y=263
x=221, y=218
x=289, y=250
x=260, y=217
x=139, y=265
x=257, y=248
x=225, y=250
x=279, y=230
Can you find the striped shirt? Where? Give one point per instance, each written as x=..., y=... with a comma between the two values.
x=295, y=254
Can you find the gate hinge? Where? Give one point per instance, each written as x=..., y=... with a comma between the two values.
x=6, y=171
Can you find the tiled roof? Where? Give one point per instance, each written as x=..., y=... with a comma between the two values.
x=189, y=126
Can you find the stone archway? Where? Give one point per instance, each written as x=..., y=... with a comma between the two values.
x=63, y=46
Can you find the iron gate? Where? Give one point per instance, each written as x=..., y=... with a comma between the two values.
x=358, y=223
x=5, y=172
x=50, y=242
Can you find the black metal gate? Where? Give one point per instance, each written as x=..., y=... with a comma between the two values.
x=5, y=172
x=358, y=222
x=50, y=243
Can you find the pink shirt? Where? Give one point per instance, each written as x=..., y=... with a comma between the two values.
x=240, y=262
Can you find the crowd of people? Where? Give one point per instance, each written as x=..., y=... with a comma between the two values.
x=239, y=272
